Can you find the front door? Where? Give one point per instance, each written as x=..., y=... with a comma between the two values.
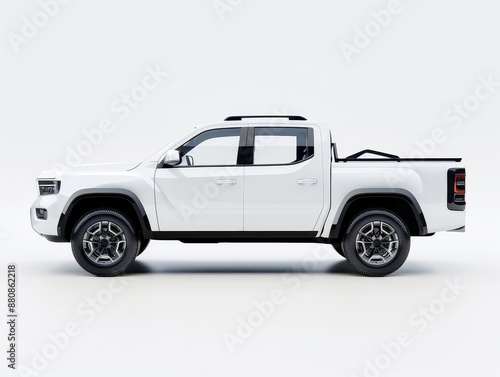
x=205, y=191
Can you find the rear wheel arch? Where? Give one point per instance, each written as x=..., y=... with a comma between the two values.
x=402, y=204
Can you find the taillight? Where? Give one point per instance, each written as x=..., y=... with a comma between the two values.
x=456, y=189
x=459, y=185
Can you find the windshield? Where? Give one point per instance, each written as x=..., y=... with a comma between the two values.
x=157, y=154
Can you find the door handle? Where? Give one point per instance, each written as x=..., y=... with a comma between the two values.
x=226, y=181
x=307, y=181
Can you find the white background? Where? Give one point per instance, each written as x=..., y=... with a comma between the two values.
x=259, y=57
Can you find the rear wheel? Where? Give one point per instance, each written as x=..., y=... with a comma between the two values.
x=376, y=243
x=104, y=242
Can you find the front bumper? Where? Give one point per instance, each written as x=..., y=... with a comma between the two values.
x=54, y=205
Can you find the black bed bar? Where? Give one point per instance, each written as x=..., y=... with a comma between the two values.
x=371, y=151
x=385, y=157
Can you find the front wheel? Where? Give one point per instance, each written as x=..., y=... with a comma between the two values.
x=376, y=243
x=104, y=243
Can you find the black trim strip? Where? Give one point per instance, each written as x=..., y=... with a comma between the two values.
x=236, y=236
x=457, y=159
x=245, y=150
x=55, y=238
x=334, y=151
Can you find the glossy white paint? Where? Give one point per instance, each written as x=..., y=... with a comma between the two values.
x=304, y=196
x=426, y=181
x=200, y=198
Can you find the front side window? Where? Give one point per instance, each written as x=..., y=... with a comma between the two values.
x=211, y=148
x=282, y=145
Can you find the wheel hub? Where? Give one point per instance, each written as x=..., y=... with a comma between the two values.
x=377, y=243
x=104, y=243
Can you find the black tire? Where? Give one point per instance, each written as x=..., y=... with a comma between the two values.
x=144, y=244
x=368, y=250
x=338, y=248
x=104, y=243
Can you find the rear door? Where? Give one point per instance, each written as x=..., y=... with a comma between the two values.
x=284, y=182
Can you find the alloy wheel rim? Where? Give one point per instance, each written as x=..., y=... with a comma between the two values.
x=104, y=243
x=377, y=243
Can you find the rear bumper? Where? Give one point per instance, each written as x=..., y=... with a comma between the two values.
x=461, y=229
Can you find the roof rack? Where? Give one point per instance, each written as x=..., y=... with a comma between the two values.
x=241, y=117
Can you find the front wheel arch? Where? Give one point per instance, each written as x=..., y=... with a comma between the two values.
x=124, y=202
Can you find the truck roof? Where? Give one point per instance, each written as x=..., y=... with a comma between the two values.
x=275, y=120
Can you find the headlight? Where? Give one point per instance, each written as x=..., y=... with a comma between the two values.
x=49, y=187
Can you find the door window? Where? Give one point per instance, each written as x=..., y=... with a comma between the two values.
x=211, y=148
x=282, y=145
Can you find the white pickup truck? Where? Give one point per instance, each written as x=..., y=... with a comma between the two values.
x=252, y=179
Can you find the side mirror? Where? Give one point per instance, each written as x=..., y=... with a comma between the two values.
x=172, y=158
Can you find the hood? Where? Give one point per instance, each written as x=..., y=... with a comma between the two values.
x=90, y=168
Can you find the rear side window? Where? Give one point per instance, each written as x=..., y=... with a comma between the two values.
x=282, y=145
